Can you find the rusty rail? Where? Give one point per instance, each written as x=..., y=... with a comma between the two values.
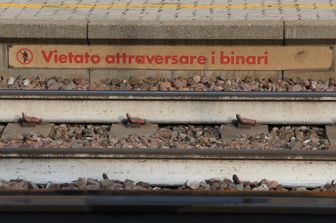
x=156, y=153
x=130, y=94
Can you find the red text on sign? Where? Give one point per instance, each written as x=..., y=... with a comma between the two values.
x=54, y=57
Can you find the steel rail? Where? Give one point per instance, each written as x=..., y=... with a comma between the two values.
x=176, y=154
x=169, y=107
x=291, y=168
x=167, y=94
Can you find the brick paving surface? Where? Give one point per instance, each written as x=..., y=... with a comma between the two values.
x=169, y=9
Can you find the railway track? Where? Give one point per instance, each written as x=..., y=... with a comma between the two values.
x=171, y=167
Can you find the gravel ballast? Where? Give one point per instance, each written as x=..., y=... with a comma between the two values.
x=212, y=184
x=156, y=83
x=174, y=137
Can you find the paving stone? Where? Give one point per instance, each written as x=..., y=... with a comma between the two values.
x=287, y=10
x=120, y=130
x=13, y=130
x=229, y=132
x=330, y=131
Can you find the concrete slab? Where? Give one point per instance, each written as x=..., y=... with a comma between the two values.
x=191, y=30
x=314, y=75
x=120, y=130
x=16, y=130
x=310, y=29
x=330, y=131
x=42, y=30
x=232, y=132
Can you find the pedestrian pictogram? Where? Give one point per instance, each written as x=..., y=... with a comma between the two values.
x=24, y=56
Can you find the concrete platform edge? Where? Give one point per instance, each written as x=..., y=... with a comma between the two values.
x=195, y=30
x=310, y=29
x=91, y=32
x=167, y=29
x=43, y=29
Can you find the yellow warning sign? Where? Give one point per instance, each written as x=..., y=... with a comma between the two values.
x=171, y=57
